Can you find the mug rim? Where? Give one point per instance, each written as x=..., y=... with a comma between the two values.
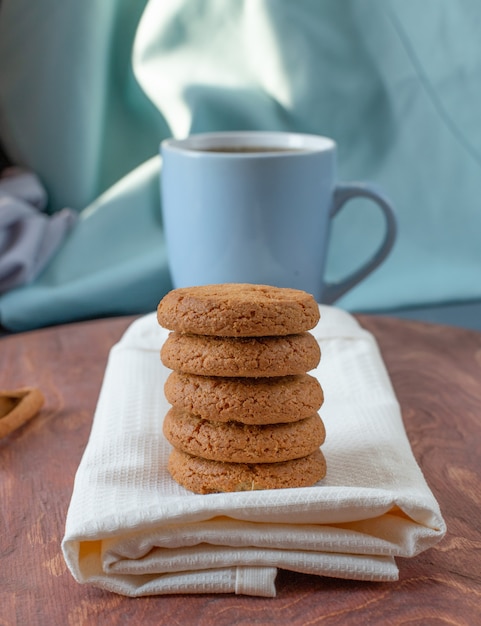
x=203, y=143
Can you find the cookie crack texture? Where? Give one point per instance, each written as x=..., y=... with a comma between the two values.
x=244, y=409
x=248, y=400
x=205, y=476
x=243, y=443
x=241, y=357
x=238, y=310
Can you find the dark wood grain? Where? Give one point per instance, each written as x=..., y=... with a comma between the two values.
x=436, y=372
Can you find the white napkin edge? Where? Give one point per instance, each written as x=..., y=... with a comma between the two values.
x=132, y=339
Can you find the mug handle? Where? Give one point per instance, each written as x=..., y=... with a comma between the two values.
x=342, y=193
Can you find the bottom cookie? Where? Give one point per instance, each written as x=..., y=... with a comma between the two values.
x=203, y=476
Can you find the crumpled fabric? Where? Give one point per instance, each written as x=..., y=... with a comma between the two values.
x=28, y=237
x=88, y=90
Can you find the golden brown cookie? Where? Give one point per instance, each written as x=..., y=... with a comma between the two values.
x=17, y=406
x=238, y=310
x=243, y=443
x=204, y=476
x=242, y=356
x=247, y=400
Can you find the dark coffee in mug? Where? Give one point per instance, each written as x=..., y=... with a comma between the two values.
x=249, y=149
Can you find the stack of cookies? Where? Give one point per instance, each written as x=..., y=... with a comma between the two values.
x=244, y=409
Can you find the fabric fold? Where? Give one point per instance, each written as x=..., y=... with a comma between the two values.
x=131, y=529
x=28, y=237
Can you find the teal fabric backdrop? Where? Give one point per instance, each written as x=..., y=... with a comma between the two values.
x=89, y=89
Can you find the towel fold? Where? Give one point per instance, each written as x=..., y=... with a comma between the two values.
x=131, y=529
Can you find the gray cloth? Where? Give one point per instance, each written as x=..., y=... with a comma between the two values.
x=28, y=237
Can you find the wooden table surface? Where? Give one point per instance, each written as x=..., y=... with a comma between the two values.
x=436, y=373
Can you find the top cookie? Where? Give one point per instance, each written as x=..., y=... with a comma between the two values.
x=238, y=310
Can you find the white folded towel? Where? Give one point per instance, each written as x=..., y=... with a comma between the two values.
x=132, y=530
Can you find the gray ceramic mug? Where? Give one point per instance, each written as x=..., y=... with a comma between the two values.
x=256, y=207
